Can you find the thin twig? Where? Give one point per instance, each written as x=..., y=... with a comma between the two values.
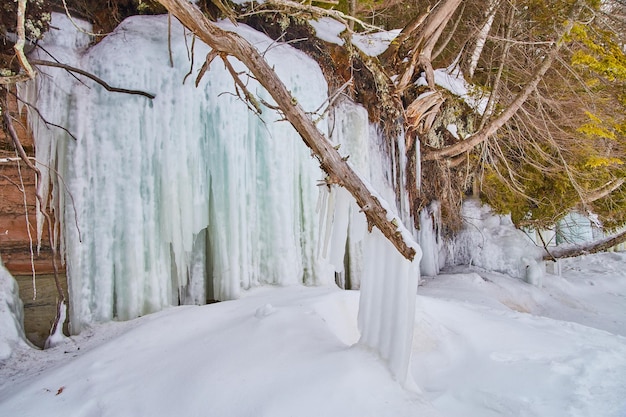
x=193, y=45
x=8, y=124
x=47, y=123
x=207, y=63
x=92, y=77
x=545, y=247
x=249, y=96
x=30, y=236
x=80, y=29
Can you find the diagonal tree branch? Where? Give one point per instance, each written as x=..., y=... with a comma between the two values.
x=603, y=191
x=338, y=170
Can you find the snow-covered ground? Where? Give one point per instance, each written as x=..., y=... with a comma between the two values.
x=485, y=345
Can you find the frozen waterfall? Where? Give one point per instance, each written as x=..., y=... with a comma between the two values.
x=179, y=199
x=191, y=196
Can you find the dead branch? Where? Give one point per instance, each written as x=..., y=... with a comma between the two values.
x=47, y=123
x=495, y=124
x=21, y=39
x=330, y=160
x=409, y=30
x=452, y=33
x=570, y=251
x=193, y=45
x=19, y=49
x=77, y=26
x=205, y=67
x=59, y=177
x=249, y=97
x=92, y=77
x=321, y=12
x=420, y=114
x=28, y=231
x=491, y=102
x=420, y=56
x=603, y=191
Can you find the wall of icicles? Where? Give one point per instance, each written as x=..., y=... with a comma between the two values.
x=190, y=196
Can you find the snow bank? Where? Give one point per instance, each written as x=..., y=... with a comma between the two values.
x=275, y=352
x=481, y=349
x=11, y=316
x=474, y=361
x=492, y=242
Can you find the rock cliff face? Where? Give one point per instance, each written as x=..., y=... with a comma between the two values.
x=15, y=242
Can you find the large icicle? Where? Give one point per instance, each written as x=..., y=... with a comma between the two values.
x=387, y=280
x=387, y=304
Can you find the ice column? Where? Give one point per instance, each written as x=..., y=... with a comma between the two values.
x=387, y=303
x=430, y=240
x=388, y=282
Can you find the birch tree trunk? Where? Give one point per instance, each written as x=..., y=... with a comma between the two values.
x=481, y=38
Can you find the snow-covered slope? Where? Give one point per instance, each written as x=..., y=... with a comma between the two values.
x=485, y=345
x=492, y=345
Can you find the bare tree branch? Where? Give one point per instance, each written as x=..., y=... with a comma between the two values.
x=21, y=39
x=495, y=124
x=47, y=123
x=92, y=77
x=603, y=191
x=570, y=251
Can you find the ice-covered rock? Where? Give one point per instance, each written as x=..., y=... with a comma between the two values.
x=11, y=316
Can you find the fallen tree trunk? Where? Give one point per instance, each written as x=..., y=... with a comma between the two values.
x=570, y=251
x=338, y=170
